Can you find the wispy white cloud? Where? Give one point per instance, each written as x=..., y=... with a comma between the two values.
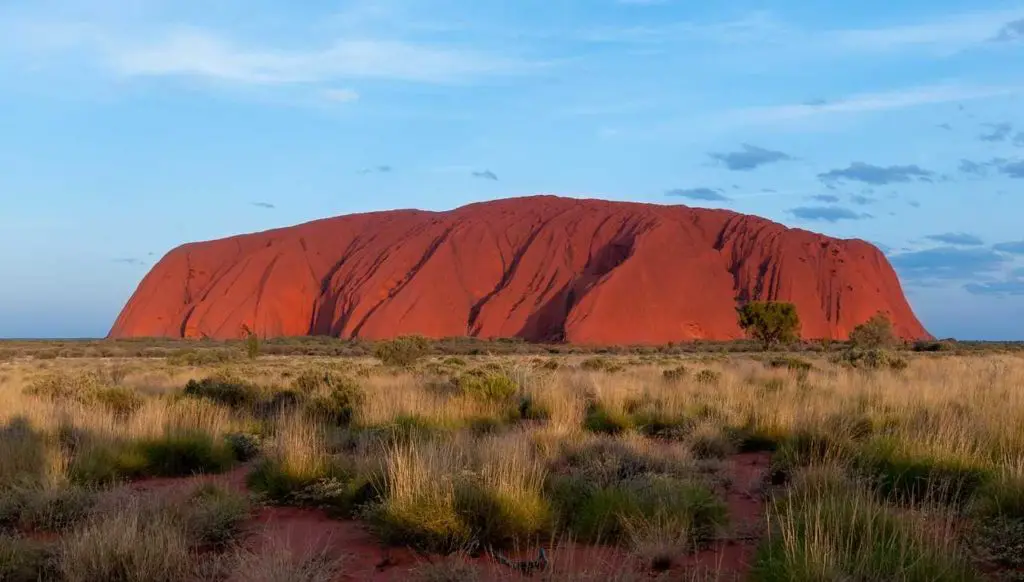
x=872, y=102
x=945, y=34
x=341, y=95
x=954, y=32
x=199, y=53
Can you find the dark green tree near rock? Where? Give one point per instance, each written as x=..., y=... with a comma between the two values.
x=874, y=333
x=770, y=322
x=252, y=342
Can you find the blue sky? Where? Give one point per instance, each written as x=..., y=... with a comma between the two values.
x=131, y=126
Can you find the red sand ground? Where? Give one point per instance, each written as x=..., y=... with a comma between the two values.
x=307, y=531
x=541, y=268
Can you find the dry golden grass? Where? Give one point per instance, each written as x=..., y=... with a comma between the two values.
x=434, y=464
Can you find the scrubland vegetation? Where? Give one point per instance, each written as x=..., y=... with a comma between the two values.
x=881, y=464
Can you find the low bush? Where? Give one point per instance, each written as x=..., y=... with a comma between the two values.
x=185, y=453
x=122, y=402
x=675, y=374
x=492, y=386
x=402, y=351
x=224, y=390
x=707, y=376
x=244, y=446
x=602, y=420
x=338, y=406
x=872, y=359
x=599, y=364
x=175, y=454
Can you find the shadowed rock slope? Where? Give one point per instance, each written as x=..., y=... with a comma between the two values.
x=540, y=268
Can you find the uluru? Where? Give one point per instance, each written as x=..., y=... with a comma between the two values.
x=541, y=268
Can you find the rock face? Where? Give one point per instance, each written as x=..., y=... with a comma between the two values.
x=542, y=268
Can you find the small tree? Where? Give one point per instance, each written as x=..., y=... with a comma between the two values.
x=770, y=322
x=874, y=333
x=252, y=343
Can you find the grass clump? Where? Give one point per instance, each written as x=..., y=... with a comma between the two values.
x=646, y=507
x=418, y=501
x=54, y=509
x=132, y=544
x=910, y=479
x=278, y=563
x=23, y=560
x=178, y=454
x=828, y=528
x=605, y=420
x=214, y=516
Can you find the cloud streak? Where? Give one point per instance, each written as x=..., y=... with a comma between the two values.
x=486, y=175
x=873, y=102
x=877, y=175
x=956, y=238
x=826, y=213
x=709, y=194
x=749, y=157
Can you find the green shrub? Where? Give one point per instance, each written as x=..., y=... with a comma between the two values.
x=338, y=406
x=244, y=447
x=402, y=351
x=602, y=420
x=933, y=346
x=494, y=386
x=224, y=390
x=185, y=453
x=106, y=462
